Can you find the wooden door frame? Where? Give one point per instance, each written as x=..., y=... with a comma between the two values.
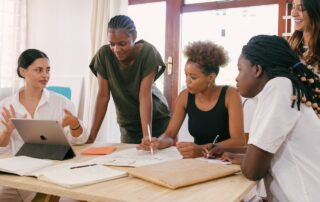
x=174, y=9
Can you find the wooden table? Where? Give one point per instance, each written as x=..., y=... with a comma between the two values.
x=232, y=188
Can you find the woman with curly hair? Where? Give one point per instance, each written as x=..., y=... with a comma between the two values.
x=214, y=111
x=305, y=40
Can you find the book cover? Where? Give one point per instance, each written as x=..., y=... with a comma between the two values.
x=98, y=151
x=184, y=172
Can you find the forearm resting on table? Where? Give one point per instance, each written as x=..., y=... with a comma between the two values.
x=233, y=145
x=239, y=149
x=232, y=142
x=165, y=141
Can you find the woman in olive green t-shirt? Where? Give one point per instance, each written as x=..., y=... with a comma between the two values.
x=128, y=70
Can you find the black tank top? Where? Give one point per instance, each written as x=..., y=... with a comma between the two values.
x=205, y=125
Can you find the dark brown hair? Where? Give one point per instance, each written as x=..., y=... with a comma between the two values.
x=27, y=57
x=313, y=26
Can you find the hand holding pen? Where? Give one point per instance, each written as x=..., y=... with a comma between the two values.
x=207, y=151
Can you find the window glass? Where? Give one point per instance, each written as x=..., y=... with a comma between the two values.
x=150, y=21
x=230, y=28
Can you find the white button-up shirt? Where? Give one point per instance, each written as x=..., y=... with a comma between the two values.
x=50, y=107
x=293, y=137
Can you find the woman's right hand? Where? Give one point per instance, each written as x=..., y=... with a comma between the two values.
x=212, y=151
x=234, y=158
x=7, y=114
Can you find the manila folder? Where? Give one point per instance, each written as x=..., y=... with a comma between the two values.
x=183, y=172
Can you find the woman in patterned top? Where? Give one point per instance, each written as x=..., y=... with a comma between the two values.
x=306, y=38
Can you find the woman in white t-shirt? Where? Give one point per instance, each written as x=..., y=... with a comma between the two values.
x=283, y=146
x=33, y=101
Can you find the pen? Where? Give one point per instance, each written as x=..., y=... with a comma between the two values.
x=149, y=135
x=213, y=143
x=82, y=166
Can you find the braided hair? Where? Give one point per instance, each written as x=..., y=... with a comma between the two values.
x=122, y=22
x=277, y=59
x=207, y=54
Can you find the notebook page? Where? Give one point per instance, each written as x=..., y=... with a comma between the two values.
x=215, y=161
x=80, y=175
x=23, y=165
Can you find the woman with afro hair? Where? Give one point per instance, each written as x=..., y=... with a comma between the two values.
x=215, y=112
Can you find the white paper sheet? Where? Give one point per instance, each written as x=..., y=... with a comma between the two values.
x=216, y=161
x=133, y=157
x=23, y=165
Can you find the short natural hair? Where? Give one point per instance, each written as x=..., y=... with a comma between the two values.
x=207, y=54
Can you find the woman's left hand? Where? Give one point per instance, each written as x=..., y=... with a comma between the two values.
x=234, y=158
x=189, y=149
x=69, y=120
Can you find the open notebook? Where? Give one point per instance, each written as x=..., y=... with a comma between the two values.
x=65, y=174
x=184, y=172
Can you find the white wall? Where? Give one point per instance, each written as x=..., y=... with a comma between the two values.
x=61, y=28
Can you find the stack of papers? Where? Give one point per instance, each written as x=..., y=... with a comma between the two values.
x=134, y=158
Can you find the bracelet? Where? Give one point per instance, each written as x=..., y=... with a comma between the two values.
x=76, y=128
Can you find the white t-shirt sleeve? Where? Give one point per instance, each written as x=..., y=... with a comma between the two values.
x=274, y=118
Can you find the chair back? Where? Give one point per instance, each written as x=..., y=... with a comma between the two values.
x=65, y=91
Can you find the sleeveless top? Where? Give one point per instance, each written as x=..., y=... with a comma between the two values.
x=204, y=126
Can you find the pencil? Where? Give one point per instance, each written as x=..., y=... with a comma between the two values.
x=213, y=143
x=82, y=166
x=149, y=135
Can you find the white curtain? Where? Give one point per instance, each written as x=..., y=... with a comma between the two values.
x=102, y=12
x=13, y=29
